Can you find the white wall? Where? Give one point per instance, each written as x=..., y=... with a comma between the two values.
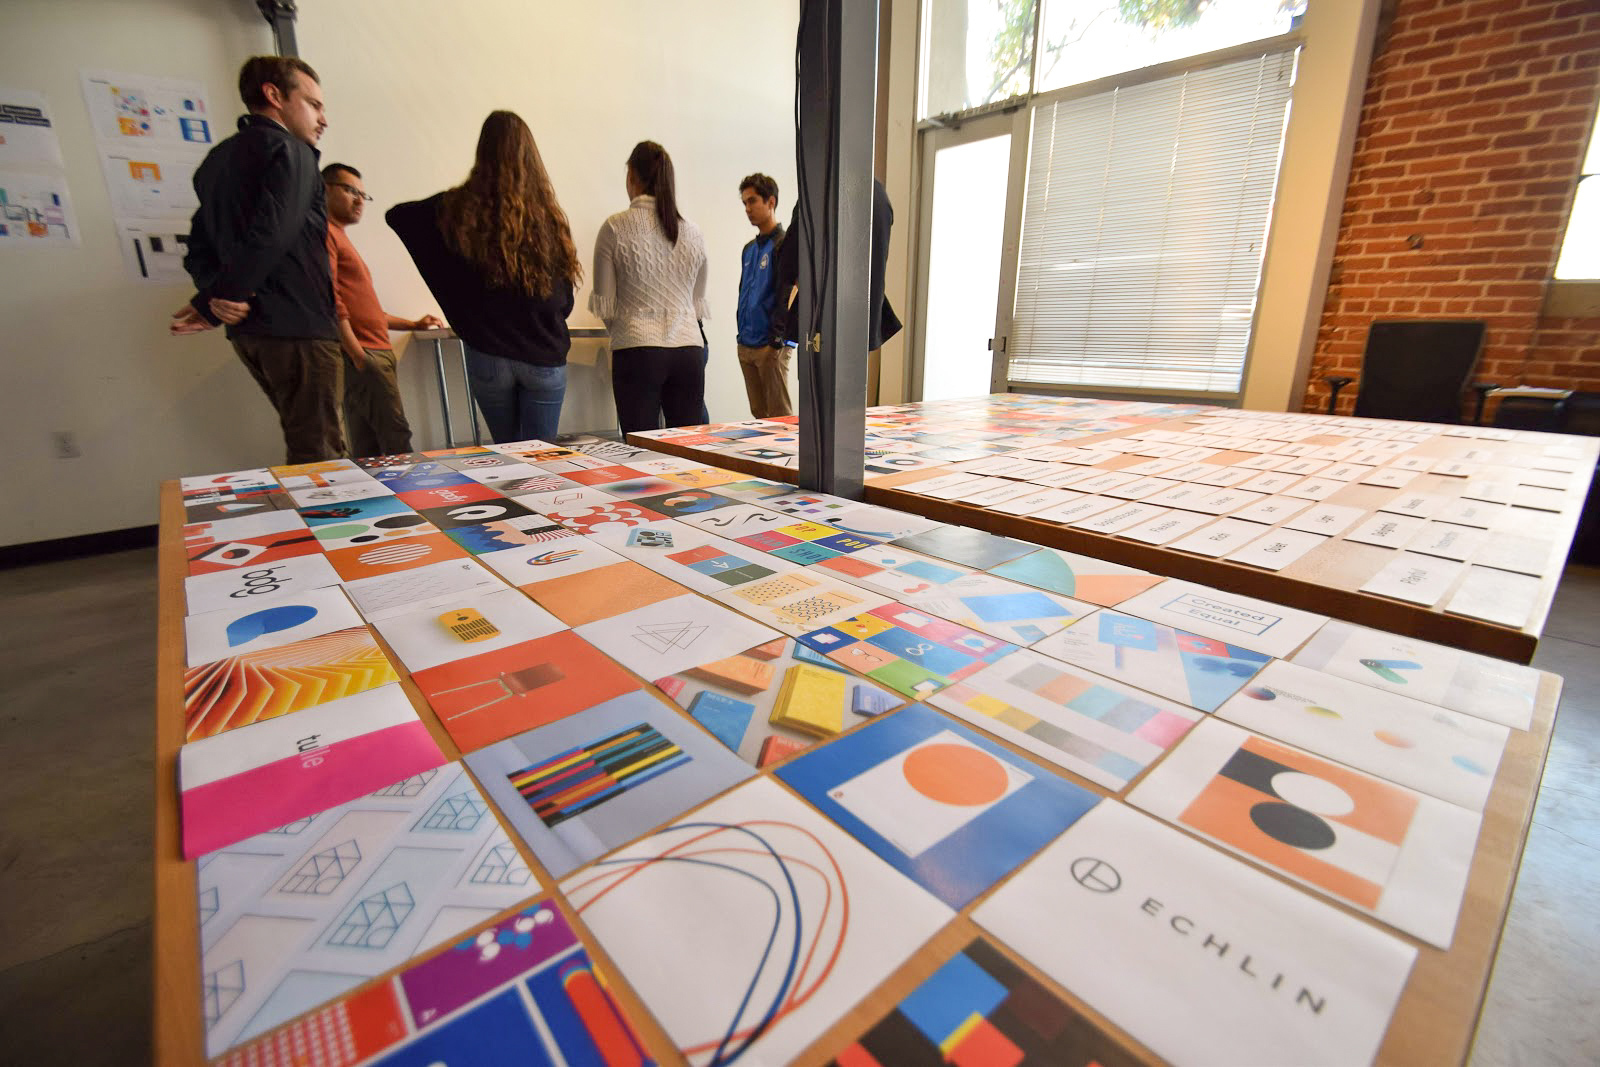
x=86, y=347
x=407, y=83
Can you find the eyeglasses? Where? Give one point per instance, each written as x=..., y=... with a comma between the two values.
x=352, y=190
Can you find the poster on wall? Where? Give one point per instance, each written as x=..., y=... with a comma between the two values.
x=148, y=111
x=36, y=211
x=151, y=133
x=27, y=133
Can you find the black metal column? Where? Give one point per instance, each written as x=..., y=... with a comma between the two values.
x=280, y=16
x=837, y=105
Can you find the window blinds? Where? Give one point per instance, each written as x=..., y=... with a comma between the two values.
x=1143, y=226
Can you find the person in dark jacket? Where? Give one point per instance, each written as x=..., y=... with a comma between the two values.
x=258, y=254
x=497, y=253
x=882, y=322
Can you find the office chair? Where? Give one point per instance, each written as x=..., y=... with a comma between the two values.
x=1417, y=371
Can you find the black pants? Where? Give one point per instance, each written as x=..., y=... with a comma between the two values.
x=650, y=384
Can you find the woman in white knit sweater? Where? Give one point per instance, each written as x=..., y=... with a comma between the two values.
x=650, y=291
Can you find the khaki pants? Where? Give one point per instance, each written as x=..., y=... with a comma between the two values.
x=766, y=380
x=304, y=379
x=374, y=416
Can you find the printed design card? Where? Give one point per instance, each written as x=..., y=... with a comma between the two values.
x=838, y=920
x=564, y=499
x=1258, y=625
x=491, y=696
x=529, y=483
x=1428, y=748
x=581, y=786
x=310, y=909
x=465, y=626
x=637, y=487
x=981, y=1008
x=261, y=585
x=340, y=493
x=249, y=627
x=1198, y=671
x=673, y=635
x=519, y=532
x=1099, y=729
x=243, y=782
x=804, y=541
x=1396, y=854
x=879, y=524
x=256, y=524
x=368, y=521
x=775, y=699
x=800, y=601
x=971, y=598
x=231, y=481
x=739, y=521
x=406, y=591
x=1213, y=962
x=910, y=652
x=1079, y=577
x=420, y=550
x=602, y=592
x=522, y=990
x=251, y=686
x=599, y=518
x=1490, y=689
x=973, y=548
x=220, y=557
x=1414, y=578
x=692, y=557
x=946, y=807
x=529, y=564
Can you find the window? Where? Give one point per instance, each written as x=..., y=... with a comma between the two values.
x=981, y=52
x=1143, y=228
x=1580, y=249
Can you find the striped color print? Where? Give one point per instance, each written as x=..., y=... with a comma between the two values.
x=581, y=778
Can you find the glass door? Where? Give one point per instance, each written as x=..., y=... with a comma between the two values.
x=969, y=206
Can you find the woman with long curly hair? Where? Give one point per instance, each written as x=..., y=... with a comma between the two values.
x=497, y=253
x=650, y=290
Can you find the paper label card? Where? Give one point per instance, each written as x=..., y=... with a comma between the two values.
x=1276, y=550
x=1214, y=962
x=1418, y=579
x=1250, y=623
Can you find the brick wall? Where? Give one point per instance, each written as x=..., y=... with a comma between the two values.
x=1473, y=128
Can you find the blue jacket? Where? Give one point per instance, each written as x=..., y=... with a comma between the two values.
x=758, y=291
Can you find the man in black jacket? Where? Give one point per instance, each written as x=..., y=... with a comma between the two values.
x=258, y=255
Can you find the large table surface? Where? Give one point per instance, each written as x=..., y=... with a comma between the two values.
x=1434, y=1022
x=1327, y=580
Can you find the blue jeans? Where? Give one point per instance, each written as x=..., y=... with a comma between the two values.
x=519, y=401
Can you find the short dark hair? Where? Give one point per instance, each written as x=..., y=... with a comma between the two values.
x=766, y=188
x=260, y=71
x=332, y=171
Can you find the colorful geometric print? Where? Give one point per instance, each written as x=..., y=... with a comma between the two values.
x=568, y=784
x=248, y=688
x=911, y=653
x=980, y=1008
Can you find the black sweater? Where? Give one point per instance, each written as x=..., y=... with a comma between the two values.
x=498, y=321
x=261, y=234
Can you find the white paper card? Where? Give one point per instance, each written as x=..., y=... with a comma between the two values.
x=1495, y=596
x=1417, y=579
x=1220, y=538
x=1276, y=550
x=1215, y=962
x=1245, y=621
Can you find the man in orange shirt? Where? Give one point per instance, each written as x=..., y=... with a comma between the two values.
x=375, y=418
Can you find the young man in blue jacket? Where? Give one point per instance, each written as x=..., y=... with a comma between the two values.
x=763, y=355
x=258, y=254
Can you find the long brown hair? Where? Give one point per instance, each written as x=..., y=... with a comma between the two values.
x=652, y=168
x=505, y=217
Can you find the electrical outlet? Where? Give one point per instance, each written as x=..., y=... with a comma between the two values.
x=66, y=444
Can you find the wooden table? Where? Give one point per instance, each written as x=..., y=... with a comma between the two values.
x=1326, y=580
x=1434, y=1022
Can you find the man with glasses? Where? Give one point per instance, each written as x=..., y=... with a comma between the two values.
x=374, y=415
x=258, y=254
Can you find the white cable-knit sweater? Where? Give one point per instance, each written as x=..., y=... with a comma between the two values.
x=646, y=291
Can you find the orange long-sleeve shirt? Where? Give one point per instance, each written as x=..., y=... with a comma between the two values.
x=354, y=296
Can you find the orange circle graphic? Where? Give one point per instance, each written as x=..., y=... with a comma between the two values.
x=955, y=774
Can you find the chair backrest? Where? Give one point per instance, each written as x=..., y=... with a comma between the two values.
x=1418, y=370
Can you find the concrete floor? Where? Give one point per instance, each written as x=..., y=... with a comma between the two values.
x=78, y=676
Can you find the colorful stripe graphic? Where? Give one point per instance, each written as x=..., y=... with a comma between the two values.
x=580, y=778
